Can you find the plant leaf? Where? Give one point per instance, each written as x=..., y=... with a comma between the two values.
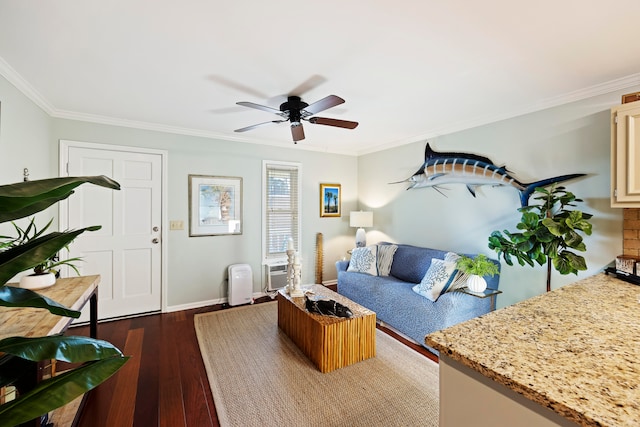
x=26, y=198
x=573, y=262
x=59, y=390
x=574, y=240
x=578, y=221
x=72, y=349
x=555, y=228
x=18, y=297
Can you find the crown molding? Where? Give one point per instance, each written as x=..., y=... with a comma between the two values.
x=25, y=87
x=611, y=86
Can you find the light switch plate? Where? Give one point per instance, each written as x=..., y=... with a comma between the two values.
x=176, y=225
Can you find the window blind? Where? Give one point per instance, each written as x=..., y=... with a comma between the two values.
x=282, y=206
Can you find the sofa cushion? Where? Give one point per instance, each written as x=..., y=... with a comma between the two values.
x=437, y=279
x=410, y=263
x=385, y=258
x=364, y=260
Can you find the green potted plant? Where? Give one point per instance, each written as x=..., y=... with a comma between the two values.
x=549, y=233
x=476, y=268
x=98, y=359
x=45, y=273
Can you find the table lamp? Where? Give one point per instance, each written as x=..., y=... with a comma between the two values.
x=361, y=219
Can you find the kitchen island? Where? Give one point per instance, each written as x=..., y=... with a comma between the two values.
x=568, y=357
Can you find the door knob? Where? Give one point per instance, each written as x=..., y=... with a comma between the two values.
x=155, y=229
x=155, y=241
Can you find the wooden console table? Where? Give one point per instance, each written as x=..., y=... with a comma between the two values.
x=74, y=293
x=329, y=342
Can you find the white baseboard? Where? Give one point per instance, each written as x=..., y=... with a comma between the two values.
x=198, y=304
x=192, y=305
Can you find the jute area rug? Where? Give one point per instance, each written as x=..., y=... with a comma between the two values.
x=259, y=377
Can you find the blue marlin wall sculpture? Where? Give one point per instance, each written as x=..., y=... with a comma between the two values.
x=473, y=171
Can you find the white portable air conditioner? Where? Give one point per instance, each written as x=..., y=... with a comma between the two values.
x=240, y=284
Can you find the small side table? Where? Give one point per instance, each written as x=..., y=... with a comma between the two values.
x=487, y=293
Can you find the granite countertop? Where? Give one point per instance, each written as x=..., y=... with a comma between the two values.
x=575, y=350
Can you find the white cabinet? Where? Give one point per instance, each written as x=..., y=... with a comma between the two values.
x=625, y=155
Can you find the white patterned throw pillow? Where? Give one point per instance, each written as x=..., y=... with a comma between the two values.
x=385, y=258
x=364, y=260
x=437, y=279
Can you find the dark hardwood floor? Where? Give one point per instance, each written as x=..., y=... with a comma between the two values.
x=164, y=383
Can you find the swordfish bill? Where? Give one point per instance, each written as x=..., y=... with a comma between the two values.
x=473, y=170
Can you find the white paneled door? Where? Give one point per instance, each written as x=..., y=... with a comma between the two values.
x=127, y=250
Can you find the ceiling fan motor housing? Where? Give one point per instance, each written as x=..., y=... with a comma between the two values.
x=293, y=108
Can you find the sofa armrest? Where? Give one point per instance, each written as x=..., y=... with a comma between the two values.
x=342, y=266
x=455, y=307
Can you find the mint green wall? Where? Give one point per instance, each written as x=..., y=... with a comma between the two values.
x=573, y=138
x=24, y=136
x=566, y=139
x=24, y=143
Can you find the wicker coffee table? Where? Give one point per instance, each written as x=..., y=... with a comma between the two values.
x=329, y=342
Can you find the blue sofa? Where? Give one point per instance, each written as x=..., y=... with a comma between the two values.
x=397, y=305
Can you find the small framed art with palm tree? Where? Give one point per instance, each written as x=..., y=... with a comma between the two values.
x=330, y=200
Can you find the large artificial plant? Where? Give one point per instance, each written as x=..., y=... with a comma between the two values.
x=98, y=359
x=549, y=233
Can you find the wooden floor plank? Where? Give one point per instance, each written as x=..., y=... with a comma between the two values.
x=171, y=400
x=148, y=386
x=197, y=409
x=98, y=402
x=123, y=403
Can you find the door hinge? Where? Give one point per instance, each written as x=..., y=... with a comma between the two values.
x=615, y=119
x=615, y=192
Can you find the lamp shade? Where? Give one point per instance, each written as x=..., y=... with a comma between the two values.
x=361, y=219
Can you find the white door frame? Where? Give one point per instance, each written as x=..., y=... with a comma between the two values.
x=62, y=207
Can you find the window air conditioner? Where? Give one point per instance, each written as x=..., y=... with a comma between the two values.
x=276, y=276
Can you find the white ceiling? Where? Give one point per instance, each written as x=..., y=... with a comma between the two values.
x=408, y=70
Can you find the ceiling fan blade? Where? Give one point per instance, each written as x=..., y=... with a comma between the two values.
x=333, y=122
x=311, y=83
x=297, y=131
x=224, y=81
x=258, y=125
x=259, y=107
x=323, y=104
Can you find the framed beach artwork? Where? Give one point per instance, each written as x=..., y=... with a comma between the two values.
x=330, y=200
x=215, y=205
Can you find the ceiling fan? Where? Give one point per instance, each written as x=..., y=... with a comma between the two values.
x=295, y=110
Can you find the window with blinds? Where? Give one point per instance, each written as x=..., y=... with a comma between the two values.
x=281, y=207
